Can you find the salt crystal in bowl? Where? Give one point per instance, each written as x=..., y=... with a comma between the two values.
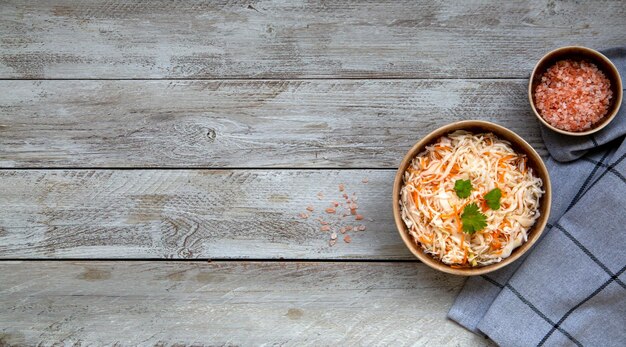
x=575, y=90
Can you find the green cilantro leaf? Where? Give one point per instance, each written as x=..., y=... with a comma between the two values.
x=493, y=198
x=463, y=188
x=472, y=219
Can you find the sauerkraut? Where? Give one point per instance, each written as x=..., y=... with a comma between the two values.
x=432, y=210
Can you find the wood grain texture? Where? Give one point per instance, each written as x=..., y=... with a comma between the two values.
x=216, y=214
x=227, y=124
x=233, y=304
x=294, y=39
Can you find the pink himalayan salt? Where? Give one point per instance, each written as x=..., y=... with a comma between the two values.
x=573, y=95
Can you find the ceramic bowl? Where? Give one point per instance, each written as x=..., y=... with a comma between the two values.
x=578, y=53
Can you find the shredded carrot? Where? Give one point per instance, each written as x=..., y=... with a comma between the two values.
x=504, y=223
x=457, y=219
x=441, y=147
x=455, y=169
x=463, y=206
x=445, y=216
x=495, y=243
x=483, y=204
x=463, y=248
x=425, y=239
x=505, y=158
x=463, y=241
x=501, y=177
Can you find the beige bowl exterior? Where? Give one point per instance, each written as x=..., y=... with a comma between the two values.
x=520, y=146
x=577, y=53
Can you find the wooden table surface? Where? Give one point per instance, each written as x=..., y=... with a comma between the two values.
x=156, y=157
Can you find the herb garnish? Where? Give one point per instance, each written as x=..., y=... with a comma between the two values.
x=493, y=198
x=472, y=219
x=463, y=188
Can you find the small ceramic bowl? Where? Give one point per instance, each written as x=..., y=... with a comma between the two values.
x=520, y=146
x=578, y=53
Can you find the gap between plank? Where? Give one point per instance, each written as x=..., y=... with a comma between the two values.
x=206, y=260
x=271, y=79
x=258, y=168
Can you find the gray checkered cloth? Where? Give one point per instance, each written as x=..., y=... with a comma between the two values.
x=569, y=289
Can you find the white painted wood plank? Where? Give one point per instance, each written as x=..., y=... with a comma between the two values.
x=216, y=214
x=240, y=304
x=226, y=124
x=293, y=39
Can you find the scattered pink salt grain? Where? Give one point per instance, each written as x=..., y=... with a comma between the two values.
x=303, y=215
x=365, y=180
x=573, y=95
x=353, y=208
x=337, y=225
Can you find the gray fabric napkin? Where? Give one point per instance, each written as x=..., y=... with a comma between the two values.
x=570, y=288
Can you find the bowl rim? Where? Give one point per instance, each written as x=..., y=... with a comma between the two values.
x=502, y=132
x=596, y=54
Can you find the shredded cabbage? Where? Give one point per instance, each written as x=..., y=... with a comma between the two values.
x=431, y=209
